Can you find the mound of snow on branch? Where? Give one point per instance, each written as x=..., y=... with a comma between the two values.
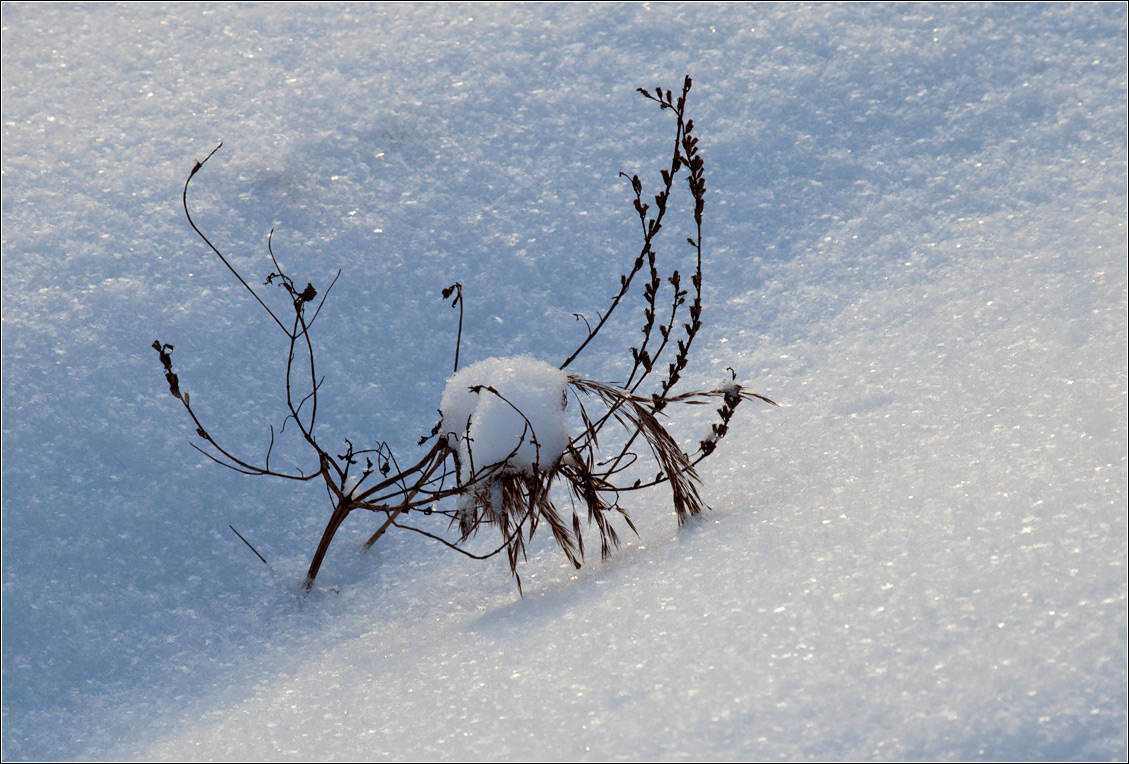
x=506, y=412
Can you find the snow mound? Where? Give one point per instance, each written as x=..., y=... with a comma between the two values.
x=507, y=412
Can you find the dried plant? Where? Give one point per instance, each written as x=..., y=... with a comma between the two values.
x=522, y=485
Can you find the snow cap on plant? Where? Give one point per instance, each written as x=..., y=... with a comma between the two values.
x=505, y=415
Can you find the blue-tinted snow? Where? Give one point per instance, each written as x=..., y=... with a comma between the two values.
x=915, y=242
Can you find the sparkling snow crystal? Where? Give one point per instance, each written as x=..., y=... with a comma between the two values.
x=506, y=411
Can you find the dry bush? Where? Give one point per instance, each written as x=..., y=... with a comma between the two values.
x=520, y=487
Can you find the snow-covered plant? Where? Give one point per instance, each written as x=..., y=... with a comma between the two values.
x=502, y=454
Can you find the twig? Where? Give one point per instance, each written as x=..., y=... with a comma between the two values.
x=184, y=201
x=253, y=549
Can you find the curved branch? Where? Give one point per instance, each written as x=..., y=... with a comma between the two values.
x=184, y=201
x=456, y=547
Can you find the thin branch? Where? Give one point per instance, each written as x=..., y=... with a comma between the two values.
x=184, y=201
x=324, y=297
x=450, y=545
x=253, y=549
x=457, y=289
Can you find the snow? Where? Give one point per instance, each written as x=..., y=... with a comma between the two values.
x=914, y=242
x=506, y=415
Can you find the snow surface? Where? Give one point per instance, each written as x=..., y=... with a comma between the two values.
x=915, y=240
x=506, y=411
